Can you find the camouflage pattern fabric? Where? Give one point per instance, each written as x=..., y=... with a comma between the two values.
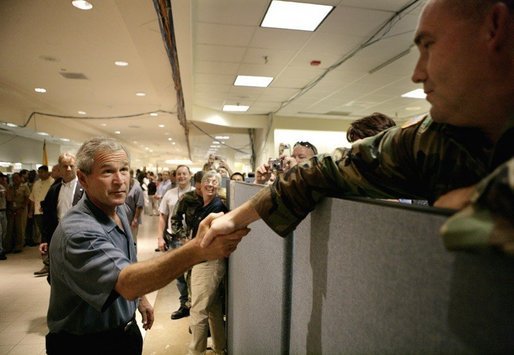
x=420, y=161
x=185, y=209
x=489, y=220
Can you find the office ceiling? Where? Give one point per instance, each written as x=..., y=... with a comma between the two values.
x=71, y=53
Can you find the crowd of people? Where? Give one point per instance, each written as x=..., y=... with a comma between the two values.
x=86, y=216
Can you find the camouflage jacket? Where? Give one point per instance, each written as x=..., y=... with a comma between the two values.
x=420, y=161
x=185, y=208
x=489, y=220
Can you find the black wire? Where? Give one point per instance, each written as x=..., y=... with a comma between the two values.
x=214, y=138
x=382, y=31
x=92, y=117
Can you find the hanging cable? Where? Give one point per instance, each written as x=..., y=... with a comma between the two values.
x=377, y=36
x=33, y=114
x=214, y=138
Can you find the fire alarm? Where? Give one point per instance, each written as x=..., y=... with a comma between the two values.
x=315, y=63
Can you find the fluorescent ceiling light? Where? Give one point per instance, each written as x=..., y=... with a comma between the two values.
x=42, y=133
x=82, y=4
x=415, y=94
x=81, y=112
x=8, y=124
x=154, y=114
x=120, y=63
x=161, y=126
x=65, y=139
x=117, y=132
x=40, y=90
x=250, y=80
x=140, y=94
x=235, y=108
x=222, y=137
x=295, y=15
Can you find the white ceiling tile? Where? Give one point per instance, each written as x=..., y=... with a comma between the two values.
x=206, y=67
x=224, y=35
x=219, y=53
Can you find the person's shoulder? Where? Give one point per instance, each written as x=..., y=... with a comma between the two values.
x=168, y=193
x=190, y=195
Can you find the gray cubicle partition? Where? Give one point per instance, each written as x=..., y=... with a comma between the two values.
x=366, y=278
x=258, y=291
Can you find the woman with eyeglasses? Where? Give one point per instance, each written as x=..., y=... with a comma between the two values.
x=206, y=302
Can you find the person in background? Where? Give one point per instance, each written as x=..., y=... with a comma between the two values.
x=163, y=186
x=182, y=220
x=223, y=172
x=37, y=195
x=31, y=231
x=58, y=201
x=20, y=193
x=237, y=177
x=56, y=174
x=169, y=241
x=302, y=152
x=369, y=126
x=209, y=165
x=206, y=277
x=134, y=204
x=97, y=283
x=152, y=189
x=3, y=214
x=466, y=67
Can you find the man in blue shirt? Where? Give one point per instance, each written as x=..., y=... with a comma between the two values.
x=96, y=282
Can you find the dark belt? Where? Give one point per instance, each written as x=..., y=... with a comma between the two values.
x=125, y=339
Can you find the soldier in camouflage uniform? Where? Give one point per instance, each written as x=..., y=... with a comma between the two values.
x=185, y=209
x=466, y=66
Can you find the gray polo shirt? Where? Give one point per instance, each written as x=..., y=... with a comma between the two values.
x=87, y=253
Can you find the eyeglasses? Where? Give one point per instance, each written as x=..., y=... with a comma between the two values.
x=307, y=145
x=213, y=182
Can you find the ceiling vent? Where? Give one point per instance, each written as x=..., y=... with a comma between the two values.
x=78, y=76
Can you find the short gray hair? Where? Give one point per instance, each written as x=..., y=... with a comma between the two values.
x=210, y=174
x=88, y=150
x=66, y=156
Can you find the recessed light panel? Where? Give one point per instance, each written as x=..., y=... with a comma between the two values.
x=415, y=94
x=250, y=80
x=295, y=15
x=82, y=4
x=235, y=108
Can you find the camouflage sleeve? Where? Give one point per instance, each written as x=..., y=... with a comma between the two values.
x=177, y=226
x=420, y=161
x=284, y=204
x=489, y=220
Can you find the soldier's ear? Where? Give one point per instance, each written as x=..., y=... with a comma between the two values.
x=498, y=24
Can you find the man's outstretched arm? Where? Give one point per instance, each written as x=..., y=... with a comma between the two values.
x=143, y=277
x=229, y=223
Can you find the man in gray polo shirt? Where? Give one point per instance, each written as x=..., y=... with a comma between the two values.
x=96, y=282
